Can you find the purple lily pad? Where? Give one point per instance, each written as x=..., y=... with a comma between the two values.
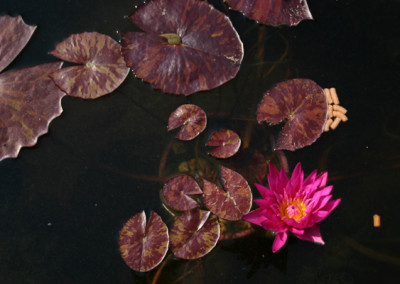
x=233, y=203
x=227, y=142
x=176, y=191
x=274, y=12
x=29, y=101
x=194, y=234
x=192, y=119
x=303, y=103
x=14, y=35
x=187, y=46
x=143, y=247
x=103, y=68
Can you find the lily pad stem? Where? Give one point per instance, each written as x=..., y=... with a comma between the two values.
x=172, y=38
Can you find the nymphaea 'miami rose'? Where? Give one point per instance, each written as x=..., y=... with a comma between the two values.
x=294, y=205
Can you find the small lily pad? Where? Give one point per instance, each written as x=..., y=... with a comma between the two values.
x=192, y=119
x=194, y=234
x=29, y=101
x=231, y=203
x=176, y=192
x=102, y=67
x=14, y=35
x=304, y=107
x=227, y=142
x=143, y=247
x=187, y=46
x=274, y=12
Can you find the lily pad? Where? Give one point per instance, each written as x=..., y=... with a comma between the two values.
x=192, y=119
x=231, y=203
x=14, y=35
x=29, y=101
x=176, y=191
x=187, y=46
x=274, y=12
x=304, y=106
x=103, y=69
x=194, y=234
x=227, y=142
x=143, y=247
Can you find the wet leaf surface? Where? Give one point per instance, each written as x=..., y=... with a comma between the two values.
x=102, y=67
x=176, y=191
x=143, y=247
x=29, y=101
x=187, y=46
x=231, y=203
x=192, y=119
x=227, y=142
x=194, y=234
x=14, y=35
x=303, y=104
x=274, y=12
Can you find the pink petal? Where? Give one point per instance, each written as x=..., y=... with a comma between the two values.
x=272, y=177
x=262, y=189
x=280, y=240
x=324, y=212
x=256, y=217
x=321, y=202
x=296, y=180
x=264, y=203
x=311, y=234
x=311, y=178
x=322, y=179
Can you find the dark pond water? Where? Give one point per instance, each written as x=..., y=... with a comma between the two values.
x=63, y=202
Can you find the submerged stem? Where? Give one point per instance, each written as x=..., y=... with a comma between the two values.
x=172, y=38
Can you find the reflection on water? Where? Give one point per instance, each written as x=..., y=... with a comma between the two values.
x=63, y=202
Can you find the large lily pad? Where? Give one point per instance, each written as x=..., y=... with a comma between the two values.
x=274, y=12
x=14, y=35
x=103, y=69
x=143, y=247
x=192, y=119
x=227, y=143
x=194, y=234
x=29, y=101
x=231, y=203
x=176, y=192
x=304, y=106
x=187, y=46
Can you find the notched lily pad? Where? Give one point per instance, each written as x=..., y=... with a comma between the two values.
x=192, y=119
x=14, y=35
x=187, y=46
x=176, y=192
x=274, y=12
x=231, y=203
x=194, y=234
x=29, y=101
x=303, y=104
x=227, y=142
x=143, y=247
x=103, y=69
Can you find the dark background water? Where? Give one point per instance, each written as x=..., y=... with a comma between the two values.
x=63, y=201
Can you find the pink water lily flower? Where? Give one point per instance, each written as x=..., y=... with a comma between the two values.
x=296, y=205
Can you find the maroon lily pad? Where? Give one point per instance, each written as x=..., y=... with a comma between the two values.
x=194, y=234
x=233, y=203
x=187, y=46
x=176, y=191
x=103, y=69
x=192, y=119
x=143, y=247
x=14, y=35
x=274, y=12
x=303, y=103
x=29, y=101
x=227, y=142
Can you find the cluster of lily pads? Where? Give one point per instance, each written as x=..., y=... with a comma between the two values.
x=186, y=46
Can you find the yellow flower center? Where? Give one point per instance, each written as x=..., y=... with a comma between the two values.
x=293, y=209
